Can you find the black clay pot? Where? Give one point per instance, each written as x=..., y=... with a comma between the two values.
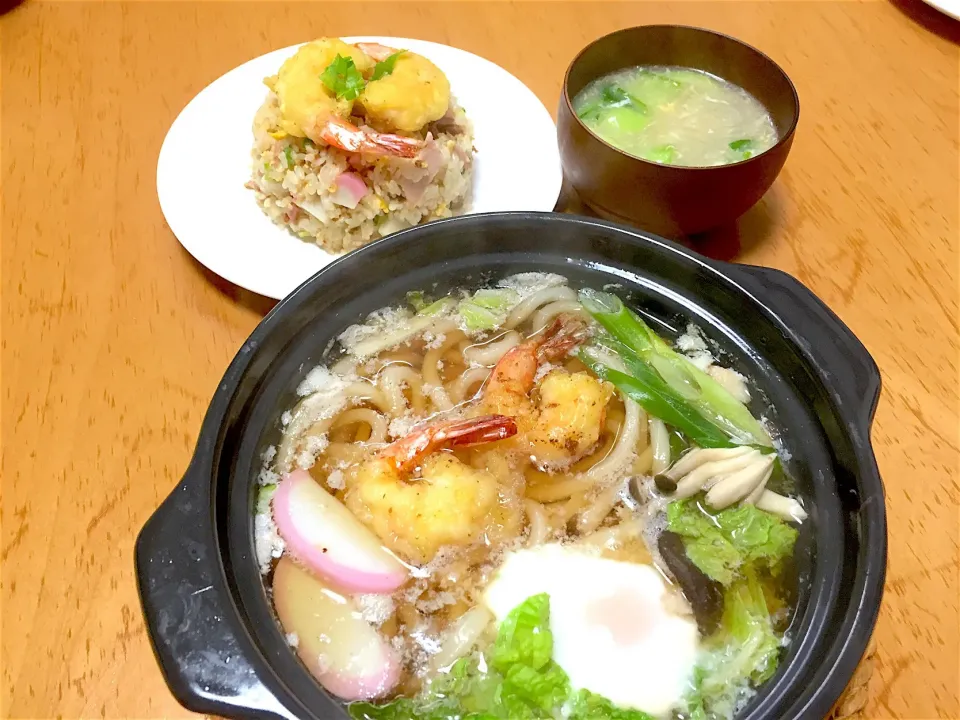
x=209, y=618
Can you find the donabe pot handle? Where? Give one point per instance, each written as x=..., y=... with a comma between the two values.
x=849, y=371
x=190, y=617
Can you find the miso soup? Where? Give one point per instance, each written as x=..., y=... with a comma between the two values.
x=676, y=116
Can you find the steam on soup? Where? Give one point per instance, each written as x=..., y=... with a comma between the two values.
x=676, y=116
x=519, y=501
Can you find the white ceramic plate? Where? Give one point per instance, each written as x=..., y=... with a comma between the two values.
x=205, y=161
x=948, y=7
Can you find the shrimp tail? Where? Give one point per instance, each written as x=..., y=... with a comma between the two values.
x=478, y=430
x=375, y=50
x=346, y=136
x=566, y=332
x=407, y=452
x=513, y=376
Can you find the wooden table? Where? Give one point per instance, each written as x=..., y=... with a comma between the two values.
x=114, y=338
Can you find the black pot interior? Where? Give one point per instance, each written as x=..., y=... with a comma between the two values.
x=671, y=286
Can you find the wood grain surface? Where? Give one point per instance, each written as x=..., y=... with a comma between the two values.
x=114, y=339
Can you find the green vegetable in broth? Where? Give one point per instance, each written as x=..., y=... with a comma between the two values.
x=417, y=299
x=264, y=496
x=424, y=306
x=616, y=104
x=517, y=679
x=655, y=88
x=589, y=706
x=705, y=397
x=521, y=637
x=676, y=116
x=744, y=147
x=624, y=119
x=487, y=308
x=743, y=653
x=614, y=96
x=679, y=443
x=648, y=389
x=733, y=541
x=664, y=154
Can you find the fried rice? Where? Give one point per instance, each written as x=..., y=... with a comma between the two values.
x=295, y=182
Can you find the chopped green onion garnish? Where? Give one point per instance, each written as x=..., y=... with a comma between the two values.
x=611, y=97
x=741, y=144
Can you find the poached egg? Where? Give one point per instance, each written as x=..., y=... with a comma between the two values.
x=616, y=629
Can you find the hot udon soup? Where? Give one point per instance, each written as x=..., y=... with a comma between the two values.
x=676, y=116
x=519, y=501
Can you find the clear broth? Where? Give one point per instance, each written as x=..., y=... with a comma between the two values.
x=676, y=116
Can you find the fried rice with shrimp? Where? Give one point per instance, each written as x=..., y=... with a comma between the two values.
x=346, y=151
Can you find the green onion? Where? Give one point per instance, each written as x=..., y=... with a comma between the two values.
x=288, y=154
x=343, y=79
x=613, y=96
x=653, y=394
x=589, y=111
x=642, y=350
x=744, y=147
x=385, y=67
